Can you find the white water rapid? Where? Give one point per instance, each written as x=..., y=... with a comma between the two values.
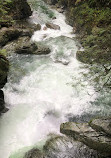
x=42, y=92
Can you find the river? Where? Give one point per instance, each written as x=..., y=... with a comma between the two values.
x=42, y=91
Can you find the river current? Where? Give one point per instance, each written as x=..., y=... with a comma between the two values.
x=44, y=91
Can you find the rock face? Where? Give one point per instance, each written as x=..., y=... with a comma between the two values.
x=53, y=26
x=95, y=138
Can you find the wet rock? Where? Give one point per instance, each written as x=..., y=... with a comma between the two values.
x=84, y=133
x=38, y=27
x=51, y=2
x=3, y=109
x=103, y=124
x=44, y=28
x=4, y=68
x=24, y=24
x=34, y=153
x=60, y=10
x=1, y=101
x=21, y=29
x=24, y=45
x=8, y=34
x=42, y=50
x=53, y=26
x=63, y=147
x=54, y=18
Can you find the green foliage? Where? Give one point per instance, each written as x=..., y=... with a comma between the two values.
x=99, y=3
x=92, y=22
x=5, y=18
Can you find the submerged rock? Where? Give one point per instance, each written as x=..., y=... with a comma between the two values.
x=97, y=140
x=42, y=50
x=53, y=26
x=62, y=61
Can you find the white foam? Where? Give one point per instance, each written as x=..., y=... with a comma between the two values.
x=44, y=97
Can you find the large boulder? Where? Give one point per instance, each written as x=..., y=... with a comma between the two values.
x=82, y=132
x=27, y=25
x=64, y=147
x=53, y=26
x=24, y=45
x=22, y=28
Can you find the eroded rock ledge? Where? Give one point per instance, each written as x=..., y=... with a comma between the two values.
x=96, y=134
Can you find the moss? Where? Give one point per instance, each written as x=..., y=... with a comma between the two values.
x=11, y=10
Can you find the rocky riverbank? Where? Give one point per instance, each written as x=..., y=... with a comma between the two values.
x=10, y=13
x=60, y=147
x=91, y=21
x=96, y=134
x=15, y=36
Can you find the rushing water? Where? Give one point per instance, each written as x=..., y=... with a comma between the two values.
x=42, y=92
